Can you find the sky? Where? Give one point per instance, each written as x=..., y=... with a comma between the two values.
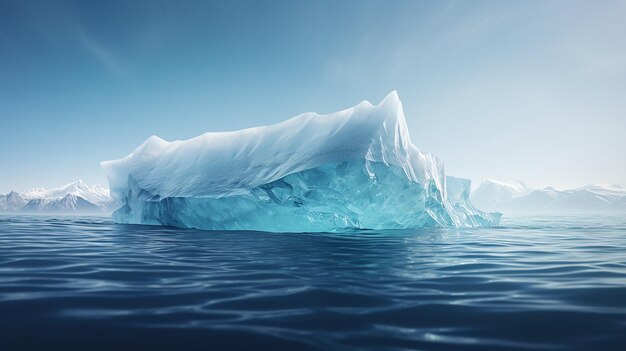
x=528, y=90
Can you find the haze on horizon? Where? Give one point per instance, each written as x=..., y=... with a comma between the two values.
x=530, y=90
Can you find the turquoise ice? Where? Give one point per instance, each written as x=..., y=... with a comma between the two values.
x=353, y=169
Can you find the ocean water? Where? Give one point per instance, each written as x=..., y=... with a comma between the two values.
x=534, y=283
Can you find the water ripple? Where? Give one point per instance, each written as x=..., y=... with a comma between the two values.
x=551, y=283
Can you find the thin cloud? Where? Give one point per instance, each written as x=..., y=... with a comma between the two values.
x=98, y=51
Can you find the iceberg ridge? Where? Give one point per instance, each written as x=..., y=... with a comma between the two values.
x=356, y=168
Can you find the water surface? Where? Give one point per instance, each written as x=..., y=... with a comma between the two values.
x=535, y=283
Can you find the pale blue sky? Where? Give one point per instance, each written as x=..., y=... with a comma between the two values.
x=529, y=90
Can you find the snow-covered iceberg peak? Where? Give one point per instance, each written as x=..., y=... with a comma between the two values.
x=228, y=163
x=311, y=172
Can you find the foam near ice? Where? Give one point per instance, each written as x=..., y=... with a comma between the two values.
x=356, y=168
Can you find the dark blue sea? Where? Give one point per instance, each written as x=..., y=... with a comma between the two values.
x=535, y=283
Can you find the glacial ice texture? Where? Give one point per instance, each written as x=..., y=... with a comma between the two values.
x=354, y=169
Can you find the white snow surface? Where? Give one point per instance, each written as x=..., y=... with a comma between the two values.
x=241, y=160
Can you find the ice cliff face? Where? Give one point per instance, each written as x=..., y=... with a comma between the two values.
x=356, y=168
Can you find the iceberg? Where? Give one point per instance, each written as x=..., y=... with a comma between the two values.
x=353, y=169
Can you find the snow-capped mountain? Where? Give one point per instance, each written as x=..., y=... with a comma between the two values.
x=591, y=198
x=12, y=202
x=73, y=197
x=95, y=193
x=492, y=194
x=70, y=203
x=512, y=197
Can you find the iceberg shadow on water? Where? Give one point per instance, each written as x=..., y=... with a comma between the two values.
x=354, y=169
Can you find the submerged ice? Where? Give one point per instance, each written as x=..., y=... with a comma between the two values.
x=354, y=169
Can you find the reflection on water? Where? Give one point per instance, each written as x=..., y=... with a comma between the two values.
x=534, y=283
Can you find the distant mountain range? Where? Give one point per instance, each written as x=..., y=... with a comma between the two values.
x=95, y=193
x=76, y=197
x=515, y=196
x=12, y=202
x=68, y=203
x=491, y=195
